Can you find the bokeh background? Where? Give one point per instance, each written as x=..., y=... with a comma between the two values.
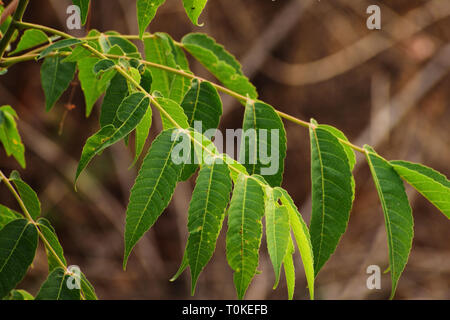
x=388, y=88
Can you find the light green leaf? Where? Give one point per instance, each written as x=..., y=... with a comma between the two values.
x=302, y=237
x=160, y=49
x=7, y=215
x=30, y=39
x=175, y=111
x=430, y=183
x=397, y=213
x=263, y=142
x=28, y=196
x=206, y=213
x=332, y=194
x=129, y=114
x=289, y=269
x=235, y=167
x=61, y=44
x=219, y=62
x=9, y=135
x=52, y=239
x=244, y=231
x=56, y=287
x=91, y=85
x=277, y=230
x=146, y=10
x=193, y=9
x=201, y=103
x=55, y=78
x=18, y=243
x=153, y=188
x=84, y=9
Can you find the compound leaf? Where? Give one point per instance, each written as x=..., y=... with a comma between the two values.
x=153, y=188
x=244, y=231
x=206, y=213
x=332, y=194
x=18, y=243
x=430, y=183
x=397, y=213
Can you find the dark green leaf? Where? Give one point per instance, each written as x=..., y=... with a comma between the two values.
x=55, y=256
x=7, y=215
x=62, y=44
x=29, y=197
x=56, y=287
x=84, y=9
x=103, y=65
x=116, y=92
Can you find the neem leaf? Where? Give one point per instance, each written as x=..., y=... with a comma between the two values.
x=9, y=135
x=193, y=9
x=146, y=10
x=30, y=39
x=56, y=287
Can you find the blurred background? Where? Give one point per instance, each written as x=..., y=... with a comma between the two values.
x=389, y=88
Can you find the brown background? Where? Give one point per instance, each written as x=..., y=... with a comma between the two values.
x=387, y=88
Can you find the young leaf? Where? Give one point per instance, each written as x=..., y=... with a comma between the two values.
x=244, y=231
x=206, y=213
x=129, y=114
x=9, y=135
x=62, y=44
x=193, y=9
x=430, y=183
x=29, y=197
x=18, y=243
x=201, y=103
x=84, y=9
x=30, y=39
x=160, y=49
x=91, y=85
x=56, y=287
x=303, y=239
x=263, y=142
x=49, y=233
x=7, y=215
x=219, y=62
x=153, y=188
x=397, y=213
x=146, y=10
x=289, y=269
x=55, y=78
x=277, y=230
x=332, y=194
x=175, y=112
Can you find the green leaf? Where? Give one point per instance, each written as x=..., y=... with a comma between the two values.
x=55, y=78
x=146, y=10
x=18, y=243
x=263, y=142
x=332, y=194
x=7, y=215
x=87, y=289
x=142, y=131
x=153, y=188
x=30, y=39
x=397, y=213
x=302, y=237
x=84, y=9
x=62, y=44
x=28, y=196
x=19, y=295
x=103, y=65
x=244, y=231
x=9, y=135
x=175, y=111
x=56, y=287
x=193, y=9
x=430, y=183
x=201, y=103
x=219, y=62
x=235, y=167
x=289, y=269
x=57, y=255
x=184, y=264
x=111, y=41
x=206, y=213
x=160, y=49
x=91, y=85
x=115, y=94
x=129, y=114
x=277, y=230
